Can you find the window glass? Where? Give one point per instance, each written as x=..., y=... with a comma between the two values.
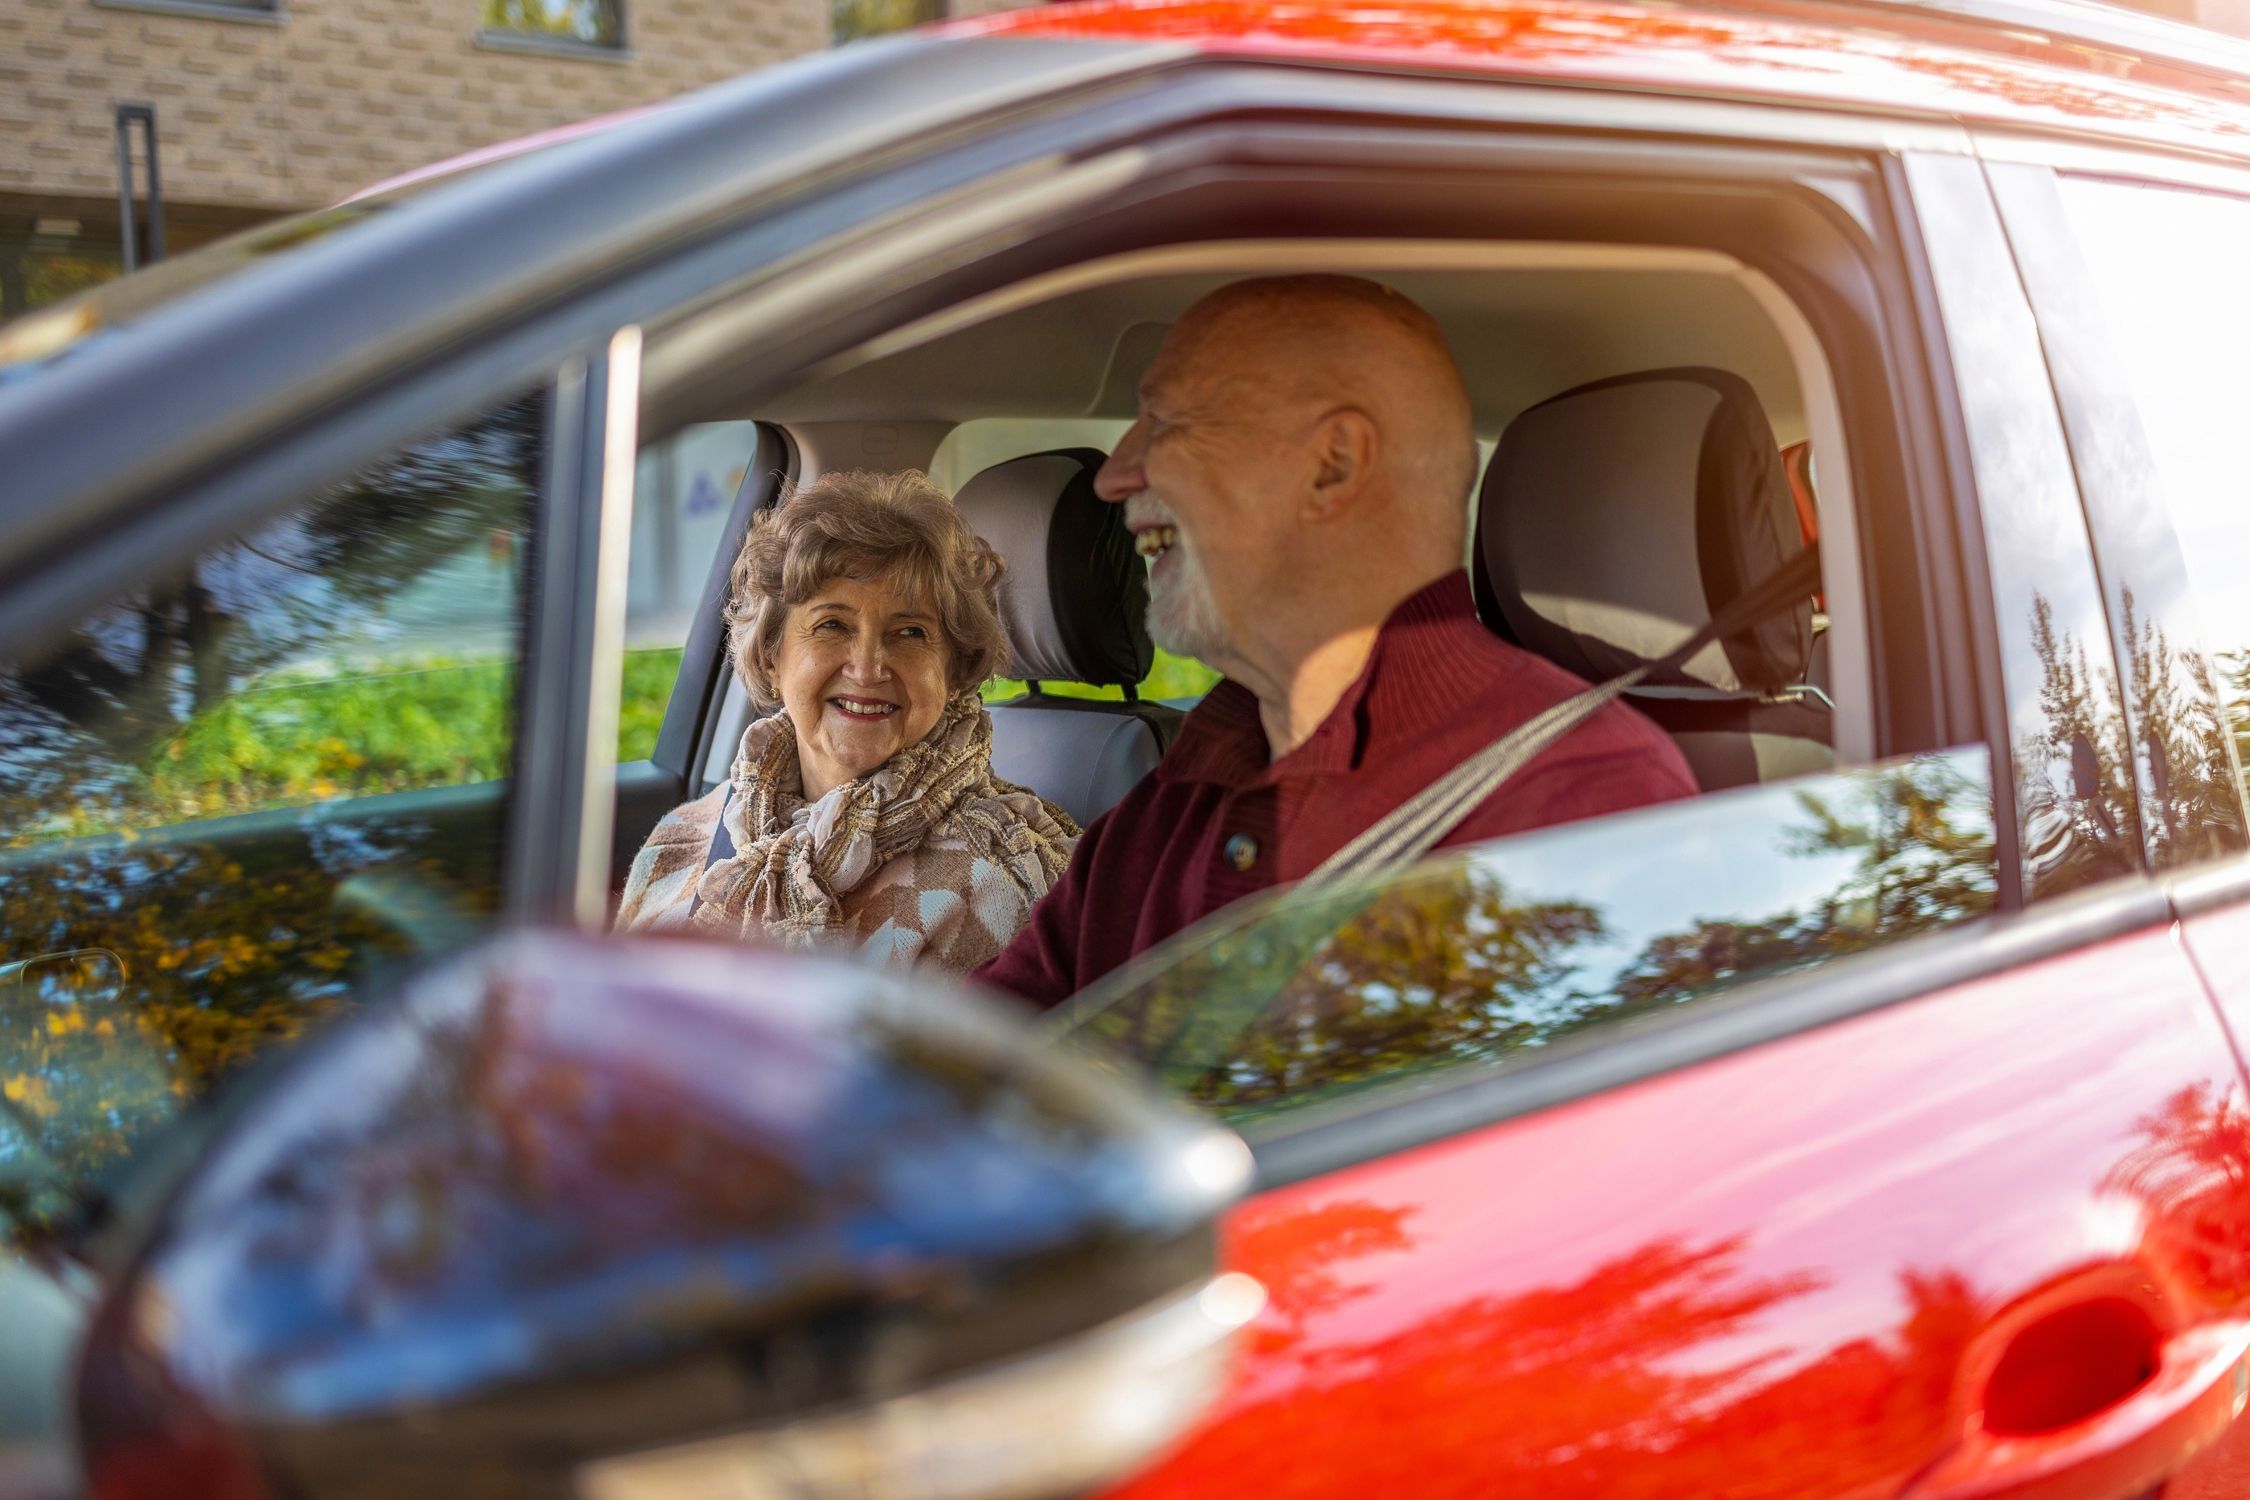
x=2166, y=265
x=849, y=19
x=1532, y=943
x=683, y=492
x=231, y=798
x=973, y=447
x=597, y=23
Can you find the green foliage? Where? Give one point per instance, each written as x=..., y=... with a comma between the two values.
x=849, y=19
x=647, y=689
x=1170, y=679
x=398, y=727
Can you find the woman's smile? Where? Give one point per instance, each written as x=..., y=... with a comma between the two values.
x=864, y=673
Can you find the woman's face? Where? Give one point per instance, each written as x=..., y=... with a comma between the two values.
x=862, y=670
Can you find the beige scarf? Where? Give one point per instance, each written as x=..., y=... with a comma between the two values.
x=794, y=861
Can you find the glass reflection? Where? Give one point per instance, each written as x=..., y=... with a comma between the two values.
x=2164, y=265
x=2075, y=818
x=1527, y=942
x=254, y=784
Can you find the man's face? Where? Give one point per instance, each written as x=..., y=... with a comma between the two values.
x=1203, y=474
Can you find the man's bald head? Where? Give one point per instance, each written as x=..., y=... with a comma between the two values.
x=1325, y=341
x=1300, y=464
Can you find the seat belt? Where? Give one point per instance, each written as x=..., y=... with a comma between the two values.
x=722, y=846
x=1418, y=825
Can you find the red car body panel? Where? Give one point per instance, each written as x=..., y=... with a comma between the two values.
x=1795, y=1271
x=1810, y=55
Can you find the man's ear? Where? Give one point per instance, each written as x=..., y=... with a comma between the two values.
x=1344, y=446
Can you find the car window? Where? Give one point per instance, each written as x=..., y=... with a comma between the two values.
x=2166, y=266
x=683, y=492
x=1523, y=945
x=230, y=799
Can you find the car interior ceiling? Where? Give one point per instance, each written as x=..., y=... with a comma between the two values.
x=1011, y=403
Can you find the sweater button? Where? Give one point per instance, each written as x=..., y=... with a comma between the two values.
x=1241, y=853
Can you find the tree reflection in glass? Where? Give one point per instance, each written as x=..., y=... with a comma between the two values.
x=1527, y=942
x=189, y=784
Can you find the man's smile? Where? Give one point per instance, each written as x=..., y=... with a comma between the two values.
x=1154, y=541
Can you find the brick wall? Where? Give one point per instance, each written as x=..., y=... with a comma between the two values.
x=296, y=109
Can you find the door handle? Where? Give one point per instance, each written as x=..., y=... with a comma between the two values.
x=2195, y=1388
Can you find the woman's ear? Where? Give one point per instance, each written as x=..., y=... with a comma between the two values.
x=1344, y=444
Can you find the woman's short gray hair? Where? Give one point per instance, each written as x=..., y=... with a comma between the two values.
x=857, y=524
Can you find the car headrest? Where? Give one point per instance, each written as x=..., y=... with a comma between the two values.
x=1075, y=600
x=1618, y=517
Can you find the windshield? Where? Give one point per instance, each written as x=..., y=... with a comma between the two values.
x=1524, y=945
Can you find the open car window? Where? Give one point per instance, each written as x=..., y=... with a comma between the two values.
x=1480, y=956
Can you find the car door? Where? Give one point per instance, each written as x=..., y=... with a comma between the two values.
x=1863, y=1134
x=2128, y=261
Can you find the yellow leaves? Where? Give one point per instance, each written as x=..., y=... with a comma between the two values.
x=29, y=1092
x=65, y=1022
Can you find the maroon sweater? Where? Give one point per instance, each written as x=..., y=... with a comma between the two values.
x=1218, y=820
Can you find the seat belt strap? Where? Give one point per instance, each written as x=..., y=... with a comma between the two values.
x=722, y=846
x=1420, y=824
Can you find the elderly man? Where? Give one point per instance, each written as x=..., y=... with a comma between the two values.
x=1299, y=477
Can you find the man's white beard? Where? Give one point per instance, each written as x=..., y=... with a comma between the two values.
x=1183, y=618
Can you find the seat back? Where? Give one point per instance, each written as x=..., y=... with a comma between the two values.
x=1616, y=519
x=1074, y=603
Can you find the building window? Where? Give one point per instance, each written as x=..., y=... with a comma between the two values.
x=586, y=23
x=848, y=19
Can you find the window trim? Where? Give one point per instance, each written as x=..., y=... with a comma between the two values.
x=254, y=12
x=556, y=867
x=532, y=44
x=1967, y=269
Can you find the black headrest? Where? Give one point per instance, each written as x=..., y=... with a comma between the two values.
x=1076, y=597
x=1617, y=518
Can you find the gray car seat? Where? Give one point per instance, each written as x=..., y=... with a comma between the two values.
x=1074, y=603
x=1617, y=518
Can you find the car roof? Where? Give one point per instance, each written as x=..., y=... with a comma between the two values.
x=2041, y=63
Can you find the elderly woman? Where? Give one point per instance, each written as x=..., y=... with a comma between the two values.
x=865, y=812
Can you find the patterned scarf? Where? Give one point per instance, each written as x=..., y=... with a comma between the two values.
x=795, y=861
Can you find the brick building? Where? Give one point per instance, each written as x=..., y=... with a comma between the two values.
x=265, y=107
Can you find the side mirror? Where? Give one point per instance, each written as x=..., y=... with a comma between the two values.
x=619, y=1219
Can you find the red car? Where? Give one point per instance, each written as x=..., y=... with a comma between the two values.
x=1872, y=1124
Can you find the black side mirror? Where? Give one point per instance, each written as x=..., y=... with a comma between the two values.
x=617, y=1220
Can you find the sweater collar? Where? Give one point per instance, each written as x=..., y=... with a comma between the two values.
x=1422, y=659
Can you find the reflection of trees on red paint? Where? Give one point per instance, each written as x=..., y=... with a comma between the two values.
x=1295, y=1255
x=1610, y=1384
x=2191, y=1172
